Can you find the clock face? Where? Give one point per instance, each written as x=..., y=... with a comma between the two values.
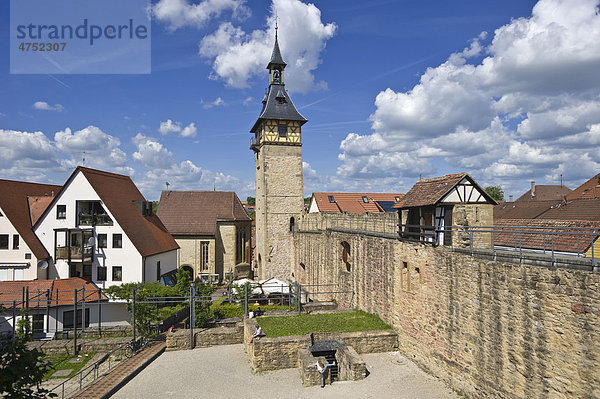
x=276, y=76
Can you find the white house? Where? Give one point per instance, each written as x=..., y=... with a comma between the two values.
x=100, y=227
x=22, y=254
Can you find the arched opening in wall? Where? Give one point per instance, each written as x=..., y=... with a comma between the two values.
x=292, y=224
x=346, y=256
x=303, y=266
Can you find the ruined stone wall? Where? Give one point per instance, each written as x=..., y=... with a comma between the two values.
x=488, y=328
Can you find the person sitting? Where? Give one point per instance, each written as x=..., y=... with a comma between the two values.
x=258, y=333
x=258, y=312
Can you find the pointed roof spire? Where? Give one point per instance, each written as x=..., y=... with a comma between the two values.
x=276, y=59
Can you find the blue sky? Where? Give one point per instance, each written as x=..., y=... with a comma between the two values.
x=393, y=90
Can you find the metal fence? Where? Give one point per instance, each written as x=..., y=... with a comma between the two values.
x=98, y=369
x=44, y=311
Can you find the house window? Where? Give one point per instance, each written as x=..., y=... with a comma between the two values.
x=38, y=323
x=204, y=255
x=331, y=198
x=282, y=130
x=397, y=199
x=3, y=241
x=68, y=318
x=4, y=273
x=117, y=241
x=117, y=273
x=61, y=211
x=15, y=241
x=28, y=255
x=102, y=240
x=101, y=273
x=158, y=271
x=19, y=274
x=365, y=199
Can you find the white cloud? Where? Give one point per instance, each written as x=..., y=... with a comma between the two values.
x=175, y=127
x=44, y=106
x=248, y=100
x=89, y=139
x=151, y=153
x=181, y=13
x=237, y=55
x=93, y=148
x=189, y=131
x=17, y=145
x=169, y=127
x=529, y=110
x=218, y=102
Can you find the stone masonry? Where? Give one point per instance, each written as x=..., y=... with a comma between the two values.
x=488, y=328
x=279, y=197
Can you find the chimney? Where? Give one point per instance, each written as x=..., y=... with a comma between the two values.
x=533, y=189
x=510, y=198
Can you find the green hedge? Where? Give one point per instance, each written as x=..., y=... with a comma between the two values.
x=219, y=310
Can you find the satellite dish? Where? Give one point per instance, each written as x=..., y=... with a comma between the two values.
x=42, y=264
x=91, y=242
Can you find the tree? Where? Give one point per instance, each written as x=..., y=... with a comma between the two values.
x=251, y=201
x=21, y=370
x=495, y=192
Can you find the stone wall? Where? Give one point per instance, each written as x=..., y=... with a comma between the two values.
x=279, y=196
x=88, y=345
x=268, y=353
x=488, y=328
x=205, y=337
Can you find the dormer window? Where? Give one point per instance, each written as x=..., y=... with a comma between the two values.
x=282, y=129
x=331, y=198
x=365, y=199
x=397, y=199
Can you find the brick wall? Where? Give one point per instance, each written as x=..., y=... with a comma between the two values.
x=488, y=328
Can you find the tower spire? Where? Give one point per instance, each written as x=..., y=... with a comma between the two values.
x=276, y=58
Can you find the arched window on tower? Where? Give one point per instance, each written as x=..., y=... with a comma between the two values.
x=292, y=225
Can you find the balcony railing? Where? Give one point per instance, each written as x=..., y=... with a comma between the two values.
x=95, y=220
x=74, y=253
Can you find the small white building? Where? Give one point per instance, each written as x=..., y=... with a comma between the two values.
x=100, y=227
x=22, y=254
x=51, y=308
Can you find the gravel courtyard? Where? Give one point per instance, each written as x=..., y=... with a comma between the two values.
x=224, y=372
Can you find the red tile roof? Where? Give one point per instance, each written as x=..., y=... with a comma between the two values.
x=545, y=192
x=13, y=291
x=577, y=209
x=197, y=212
x=589, y=189
x=15, y=206
x=533, y=237
x=353, y=202
x=522, y=209
x=118, y=193
x=37, y=206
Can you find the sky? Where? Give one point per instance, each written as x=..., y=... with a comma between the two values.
x=508, y=91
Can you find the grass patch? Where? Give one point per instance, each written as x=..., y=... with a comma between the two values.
x=220, y=310
x=281, y=326
x=61, y=362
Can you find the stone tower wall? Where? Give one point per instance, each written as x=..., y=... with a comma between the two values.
x=279, y=196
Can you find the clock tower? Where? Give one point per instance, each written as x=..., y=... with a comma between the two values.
x=277, y=150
